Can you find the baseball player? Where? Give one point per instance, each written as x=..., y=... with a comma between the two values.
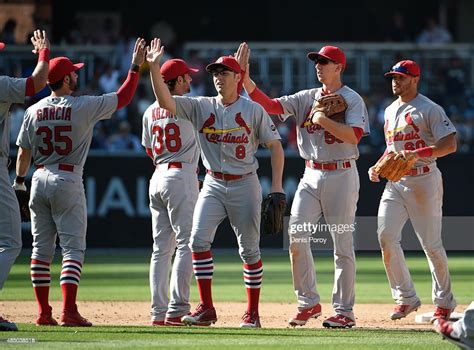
x=57, y=132
x=171, y=144
x=329, y=186
x=461, y=332
x=230, y=128
x=13, y=90
x=415, y=124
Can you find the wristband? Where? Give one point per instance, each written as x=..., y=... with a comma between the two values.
x=44, y=55
x=20, y=179
x=134, y=67
x=424, y=152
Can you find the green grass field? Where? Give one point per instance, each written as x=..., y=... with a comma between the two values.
x=221, y=338
x=123, y=275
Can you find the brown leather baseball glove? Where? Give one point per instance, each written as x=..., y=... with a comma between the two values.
x=333, y=106
x=395, y=165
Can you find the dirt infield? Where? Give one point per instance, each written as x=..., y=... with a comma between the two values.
x=273, y=315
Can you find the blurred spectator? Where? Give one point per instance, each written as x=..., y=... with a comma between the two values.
x=108, y=81
x=167, y=34
x=142, y=100
x=75, y=36
x=7, y=35
x=198, y=86
x=108, y=34
x=124, y=49
x=397, y=31
x=17, y=112
x=124, y=140
x=434, y=33
x=455, y=77
x=99, y=137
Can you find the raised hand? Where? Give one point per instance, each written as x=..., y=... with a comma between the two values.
x=39, y=41
x=139, y=52
x=242, y=55
x=154, y=52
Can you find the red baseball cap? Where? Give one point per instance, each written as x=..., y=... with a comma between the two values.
x=2, y=46
x=407, y=68
x=59, y=67
x=331, y=53
x=172, y=69
x=228, y=62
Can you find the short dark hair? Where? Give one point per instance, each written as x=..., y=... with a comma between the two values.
x=57, y=85
x=172, y=83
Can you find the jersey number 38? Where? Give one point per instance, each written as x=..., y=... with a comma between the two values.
x=171, y=134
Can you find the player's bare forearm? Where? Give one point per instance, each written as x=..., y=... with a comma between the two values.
x=162, y=94
x=41, y=47
x=341, y=131
x=445, y=146
x=249, y=84
x=278, y=161
x=23, y=161
x=40, y=75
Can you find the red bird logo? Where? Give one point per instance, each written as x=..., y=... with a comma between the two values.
x=209, y=122
x=241, y=122
x=409, y=120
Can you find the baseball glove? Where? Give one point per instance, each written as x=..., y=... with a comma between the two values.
x=333, y=106
x=395, y=165
x=273, y=210
x=23, y=198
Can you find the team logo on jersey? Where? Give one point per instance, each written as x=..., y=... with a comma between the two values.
x=309, y=125
x=409, y=131
x=225, y=135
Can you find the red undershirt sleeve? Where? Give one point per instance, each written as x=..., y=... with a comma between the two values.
x=127, y=90
x=358, y=133
x=272, y=106
x=30, y=87
x=30, y=84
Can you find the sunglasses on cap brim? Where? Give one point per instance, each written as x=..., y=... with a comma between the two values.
x=323, y=61
x=401, y=70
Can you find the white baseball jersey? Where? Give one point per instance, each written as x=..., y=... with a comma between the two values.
x=171, y=139
x=173, y=194
x=332, y=194
x=59, y=129
x=12, y=90
x=416, y=124
x=315, y=143
x=228, y=135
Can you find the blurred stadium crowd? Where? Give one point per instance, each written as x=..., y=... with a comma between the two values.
x=449, y=84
